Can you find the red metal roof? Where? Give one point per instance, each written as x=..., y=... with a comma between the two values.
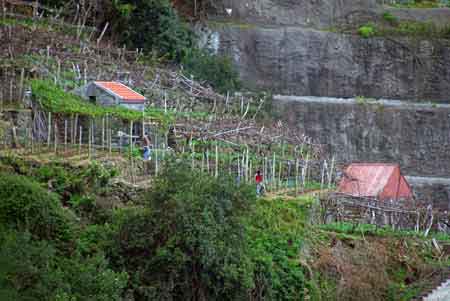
x=121, y=91
x=378, y=180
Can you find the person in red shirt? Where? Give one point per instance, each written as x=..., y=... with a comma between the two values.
x=259, y=182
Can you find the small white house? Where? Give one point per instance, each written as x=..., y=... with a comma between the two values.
x=114, y=93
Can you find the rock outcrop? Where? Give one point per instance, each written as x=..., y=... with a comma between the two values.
x=415, y=135
x=311, y=13
x=293, y=48
x=301, y=61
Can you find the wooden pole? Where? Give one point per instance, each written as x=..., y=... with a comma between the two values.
x=296, y=175
x=110, y=135
x=239, y=167
x=31, y=134
x=65, y=135
x=93, y=137
x=49, y=129
x=207, y=161
x=56, y=138
x=216, y=174
x=89, y=139
x=156, y=155
x=80, y=141
x=131, y=140
x=280, y=167
x=22, y=75
x=322, y=177
x=203, y=161
x=273, y=171
x=103, y=133
x=330, y=174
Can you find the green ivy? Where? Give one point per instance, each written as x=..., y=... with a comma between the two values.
x=56, y=100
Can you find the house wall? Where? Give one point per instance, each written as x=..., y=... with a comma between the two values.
x=104, y=98
x=134, y=106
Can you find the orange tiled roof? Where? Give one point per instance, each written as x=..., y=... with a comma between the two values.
x=122, y=91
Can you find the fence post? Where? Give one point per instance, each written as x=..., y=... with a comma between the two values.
x=49, y=129
x=217, y=162
x=80, y=140
x=56, y=137
x=65, y=135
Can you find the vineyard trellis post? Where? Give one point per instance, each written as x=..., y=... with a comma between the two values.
x=49, y=127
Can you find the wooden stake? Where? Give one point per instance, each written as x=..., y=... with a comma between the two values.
x=279, y=174
x=65, y=135
x=296, y=176
x=32, y=139
x=80, y=141
x=156, y=155
x=131, y=140
x=216, y=174
x=273, y=170
x=207, y=161
x=330, y=174
x=22, y=75
x=103, y=133
x=89, y=140
x=56, y=138
x=110, y=137
x=49, y=129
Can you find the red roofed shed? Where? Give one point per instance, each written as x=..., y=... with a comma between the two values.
x=121, y=91
x=110, y=93
x=377, y=180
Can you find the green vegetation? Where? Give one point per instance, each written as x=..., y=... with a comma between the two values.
x=278, y=233
x=422, y=3
x=56, y=100
x=404, y=28
x=38, y=260
x=373, y=230
x=191, y=232
x=366, y=31
x=155, y=27
x=190, y=236
x=387, y=16
x=217, y=69
x=28, y=207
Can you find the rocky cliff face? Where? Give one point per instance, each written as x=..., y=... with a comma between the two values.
x=299, y=61
x=415, y=135
x=288, y=47
x=312, y=13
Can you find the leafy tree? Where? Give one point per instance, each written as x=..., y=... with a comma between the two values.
x=154, y=26
x=190, y=242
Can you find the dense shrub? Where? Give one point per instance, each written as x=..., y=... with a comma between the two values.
x=26, y=205
x=33, y=270
x=190, y=243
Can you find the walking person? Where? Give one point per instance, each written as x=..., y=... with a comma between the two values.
x=259, y=183
x=147, y=152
